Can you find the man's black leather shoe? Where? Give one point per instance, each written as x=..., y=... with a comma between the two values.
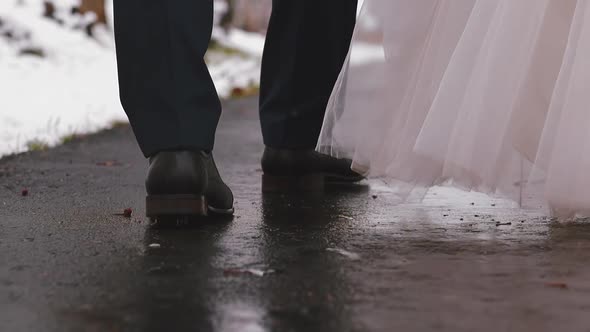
x=286, y=169
x=186, y=183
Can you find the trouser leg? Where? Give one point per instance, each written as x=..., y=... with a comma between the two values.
x=164, y=83
x=306, y=45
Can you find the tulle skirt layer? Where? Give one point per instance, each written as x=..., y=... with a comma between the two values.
x=492, y=96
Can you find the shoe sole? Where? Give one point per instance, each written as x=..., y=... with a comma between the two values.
x=176, y=205
x=174, y=211
x=335, y=178
x=182, y=205
x=303, y=183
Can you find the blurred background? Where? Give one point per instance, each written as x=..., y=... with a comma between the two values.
x=58, y=68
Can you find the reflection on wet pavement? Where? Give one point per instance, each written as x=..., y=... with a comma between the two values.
x=344, y=259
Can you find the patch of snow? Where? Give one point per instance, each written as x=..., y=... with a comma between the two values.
x=72, y=87
x=248, y=42
x=253, y=44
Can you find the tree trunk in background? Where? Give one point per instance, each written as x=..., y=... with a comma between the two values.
x=48, y=9
x=96, y=6
x=251, y=15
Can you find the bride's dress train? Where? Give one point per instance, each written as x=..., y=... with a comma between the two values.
x=492, y=96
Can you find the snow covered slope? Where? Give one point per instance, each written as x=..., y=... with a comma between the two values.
x=56, y=81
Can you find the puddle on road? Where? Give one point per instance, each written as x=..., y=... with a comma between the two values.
x=240, y=317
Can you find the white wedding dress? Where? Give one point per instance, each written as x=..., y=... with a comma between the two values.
x=485, y=95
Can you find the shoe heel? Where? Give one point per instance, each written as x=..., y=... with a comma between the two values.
x=175, y=205
x=303, y=183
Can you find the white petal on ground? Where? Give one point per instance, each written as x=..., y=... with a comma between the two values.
x=348, y=254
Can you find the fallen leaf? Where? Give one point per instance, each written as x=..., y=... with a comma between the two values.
x=126, y=213
x=237, y=92
x=559, y=285
x=109, y=163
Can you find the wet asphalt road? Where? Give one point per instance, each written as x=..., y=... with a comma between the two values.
x=346, y=259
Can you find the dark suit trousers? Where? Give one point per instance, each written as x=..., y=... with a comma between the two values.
x=168, y=94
